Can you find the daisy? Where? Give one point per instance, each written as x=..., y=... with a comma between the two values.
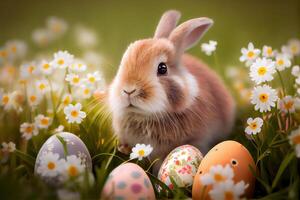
x=28, y=130
x=73, y=166
x=296, y=71
x=16, y=48
x=42, y=37
x=141, y=151
x=294, y=47
x=45, y=67
x=288, y=104
x=74, y=114
x=56, y=26
x=92, y=78
x=42, y=122
x=217, y=174
x=62, y=59
x=282, y=62
x=49, y=165
x=294, y=138
x=254, y=126
x=73, y=79
x=85, y=92
x=78, y=66
x=6, y=101
x=3, y=54
x=267, y=52
x=85, y=37
x=262, y=70
x=28, y=70
x=227, y=190
x=8, y=147
x=209, y=47
x=17, y=99
x=263, y=97
x=67, y=99
x=250, y=54
x=33, y=98
x=42, y=86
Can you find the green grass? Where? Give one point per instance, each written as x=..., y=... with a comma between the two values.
x=119, y=23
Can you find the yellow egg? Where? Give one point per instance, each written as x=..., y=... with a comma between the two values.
x=227, y=152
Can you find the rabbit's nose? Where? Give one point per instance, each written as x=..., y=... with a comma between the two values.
x=129, y=92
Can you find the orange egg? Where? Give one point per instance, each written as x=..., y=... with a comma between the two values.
x=227, y=152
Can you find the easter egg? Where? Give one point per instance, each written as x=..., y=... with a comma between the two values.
x=128, y=182
x=55, y=155
x=227, y=153
x=181, y=165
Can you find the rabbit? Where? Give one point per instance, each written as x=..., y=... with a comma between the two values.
x=166, y=98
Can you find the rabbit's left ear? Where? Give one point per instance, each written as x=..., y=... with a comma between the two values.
x=189, y=33
x=167, y=23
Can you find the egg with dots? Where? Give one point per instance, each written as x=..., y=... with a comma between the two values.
x=62, y=156
x=128, y=182
x=180, y=166
x=226, y=154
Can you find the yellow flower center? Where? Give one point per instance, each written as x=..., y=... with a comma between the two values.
x=3, y=54
x=269, y=51
x=72, y=171
x=253, y=125
x=76, y=80
x=28, y=129
x=288, y=105
x=280, y=62
x=14, y=49
x=46, y=66
x=296, y=139
x=263, y=97
x=60, y=62
x=86, y=91
x=262, y=70
x=250, y=54
x=92, y=79
x=218, y=177
x=32, y=98
x=57, y=28
x=141, y=153
x=31, y=69
x=22, y=81
x=294, y=49
x=51, y=165
x=228, y=195
x=45, y=121
x=5, y=100
x=74, y=113
x=67, y=100
x=42, y=86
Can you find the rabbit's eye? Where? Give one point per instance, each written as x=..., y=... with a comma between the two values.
x=162, y=69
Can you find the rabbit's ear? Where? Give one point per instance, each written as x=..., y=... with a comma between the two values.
x=167, y=23
x=188, y=33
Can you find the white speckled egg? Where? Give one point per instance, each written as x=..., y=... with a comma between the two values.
x=55, y=152
x=128, y=182
x=181, y=164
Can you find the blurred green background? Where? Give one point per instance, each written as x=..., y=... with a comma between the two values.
x=117, y=23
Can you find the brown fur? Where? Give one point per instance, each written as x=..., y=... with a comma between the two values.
x=164, y=111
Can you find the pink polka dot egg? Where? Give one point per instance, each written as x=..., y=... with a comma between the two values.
x=128, y=182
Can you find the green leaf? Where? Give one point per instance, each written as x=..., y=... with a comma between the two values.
x=288, y=158
x=63, y=142
x=25, y=157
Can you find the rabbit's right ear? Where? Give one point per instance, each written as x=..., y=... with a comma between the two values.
x=167, y=23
